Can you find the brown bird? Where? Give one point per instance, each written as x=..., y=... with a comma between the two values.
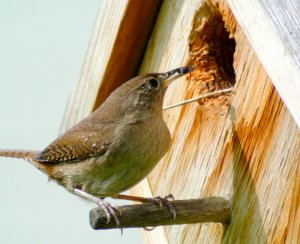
x=115, y=147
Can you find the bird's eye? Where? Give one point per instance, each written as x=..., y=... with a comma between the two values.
x=153, y=83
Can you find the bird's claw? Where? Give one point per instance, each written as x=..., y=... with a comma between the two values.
x=110, y=211
x=165, y=201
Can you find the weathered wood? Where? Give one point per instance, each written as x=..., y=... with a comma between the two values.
x=272, y=28
x=245, y=146
x=212, y=209
x=117, y=45
x=250, y=153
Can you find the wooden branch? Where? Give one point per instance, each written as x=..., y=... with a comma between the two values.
x=210, y=209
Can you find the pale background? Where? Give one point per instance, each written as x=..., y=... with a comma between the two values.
x=42, y=48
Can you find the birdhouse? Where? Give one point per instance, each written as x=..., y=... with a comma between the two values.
x=244, y=145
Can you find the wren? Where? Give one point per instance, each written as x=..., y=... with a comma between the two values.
x=115, y=147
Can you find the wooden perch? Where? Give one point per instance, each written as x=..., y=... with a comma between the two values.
x=210, y=209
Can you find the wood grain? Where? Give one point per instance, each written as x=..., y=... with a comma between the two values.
x=250, y=152
x=115, y=50
x=272, y=28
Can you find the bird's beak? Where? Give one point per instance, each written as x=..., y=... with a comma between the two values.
x=172, y=75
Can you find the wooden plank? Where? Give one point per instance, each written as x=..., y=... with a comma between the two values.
x=285, y=18
x=83, y=96
x=250, y=153
x=272, y=27
x=167, y=49
x=117, y=44
x=116, y=47
x=129, y=47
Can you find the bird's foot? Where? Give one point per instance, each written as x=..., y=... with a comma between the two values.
x=159, y=200
x=165, y=201
x=109, y=209
x=162, y=201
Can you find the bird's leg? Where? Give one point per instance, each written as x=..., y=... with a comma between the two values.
x=159, y=200
x=109, y=209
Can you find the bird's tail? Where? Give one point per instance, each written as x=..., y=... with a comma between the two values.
x=28, y=155
x=25, y=154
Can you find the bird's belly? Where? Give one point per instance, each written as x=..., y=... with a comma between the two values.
x=111, y=180
x=123, y=167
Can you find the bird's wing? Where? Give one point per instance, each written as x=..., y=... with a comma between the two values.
x=78, y=144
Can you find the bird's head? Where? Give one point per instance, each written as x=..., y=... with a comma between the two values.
x=142, y=94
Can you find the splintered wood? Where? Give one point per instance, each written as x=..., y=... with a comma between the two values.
x=211, y=50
